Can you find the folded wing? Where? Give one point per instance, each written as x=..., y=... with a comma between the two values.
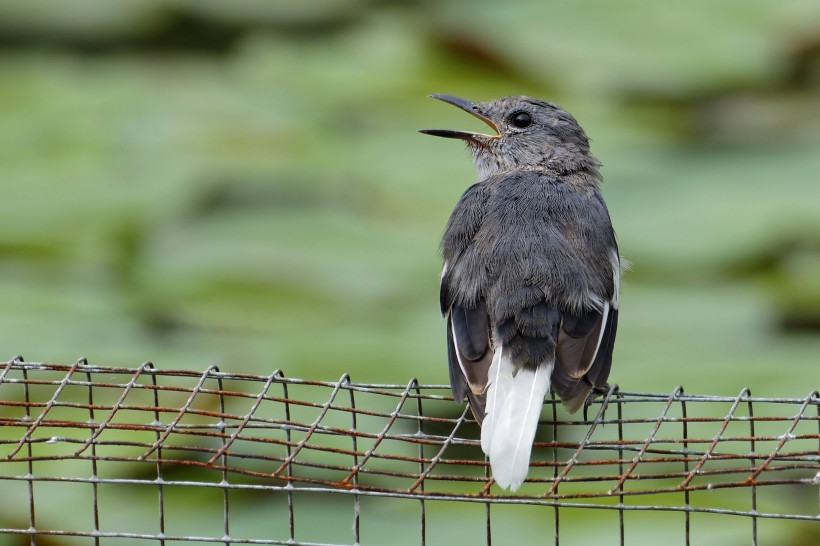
x=469, y=354
x=583, y=355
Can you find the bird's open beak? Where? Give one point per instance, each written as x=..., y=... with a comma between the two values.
x=467, y=106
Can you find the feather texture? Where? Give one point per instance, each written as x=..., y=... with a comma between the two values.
x=513, y=431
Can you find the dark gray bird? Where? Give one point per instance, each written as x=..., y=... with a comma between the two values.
x=531, y=275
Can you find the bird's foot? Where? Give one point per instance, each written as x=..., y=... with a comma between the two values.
x=595, y=393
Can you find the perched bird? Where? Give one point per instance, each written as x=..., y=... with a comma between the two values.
x=531, y=275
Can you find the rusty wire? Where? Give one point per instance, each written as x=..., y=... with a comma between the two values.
x=164, y=431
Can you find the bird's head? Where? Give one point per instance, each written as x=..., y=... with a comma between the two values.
x=527, y=133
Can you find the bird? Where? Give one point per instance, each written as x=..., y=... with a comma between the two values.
x=531, y=276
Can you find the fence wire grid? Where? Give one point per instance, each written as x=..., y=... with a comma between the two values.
x=146, y=455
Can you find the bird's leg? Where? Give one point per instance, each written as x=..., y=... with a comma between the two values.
x=595, y=393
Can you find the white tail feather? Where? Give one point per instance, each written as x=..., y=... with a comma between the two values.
x=499, y=386
x=513, y=427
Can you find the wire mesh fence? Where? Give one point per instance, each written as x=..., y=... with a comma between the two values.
x=144, y=455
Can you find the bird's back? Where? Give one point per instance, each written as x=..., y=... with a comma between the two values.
x=525, y=236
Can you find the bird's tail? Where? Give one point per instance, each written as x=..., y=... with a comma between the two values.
x=513, y=407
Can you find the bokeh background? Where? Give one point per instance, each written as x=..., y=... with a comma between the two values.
x=197, y=181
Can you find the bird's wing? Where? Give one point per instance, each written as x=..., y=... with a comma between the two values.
x=583, y=362
x=468, y=331
x=469, y=354
x=584, y=349
x=580, y=338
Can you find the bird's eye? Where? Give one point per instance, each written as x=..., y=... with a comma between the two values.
x=521, y=119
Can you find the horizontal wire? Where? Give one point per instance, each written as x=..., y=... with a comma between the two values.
x=256, y=426
x=385, y=389
x=537, y=500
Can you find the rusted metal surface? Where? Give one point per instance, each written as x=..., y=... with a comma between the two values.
x=646, y=452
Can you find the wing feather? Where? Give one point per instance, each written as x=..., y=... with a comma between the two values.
x=470, y=355
x=579, y=339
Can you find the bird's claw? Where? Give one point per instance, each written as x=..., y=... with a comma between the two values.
x=595, y=393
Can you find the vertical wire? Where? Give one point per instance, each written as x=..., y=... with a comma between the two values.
x=556, y=517
x=357, y=507
x=686, y=493
x=30, y=478
x=288, y=438
x=160, y=481
x=94, y=477
x=420, y=434
x=225, y=488
x=488, y=504
x=752, y=460
x=816, y=476
x=621, y=533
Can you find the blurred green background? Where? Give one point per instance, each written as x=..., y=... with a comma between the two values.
x=241, y=183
